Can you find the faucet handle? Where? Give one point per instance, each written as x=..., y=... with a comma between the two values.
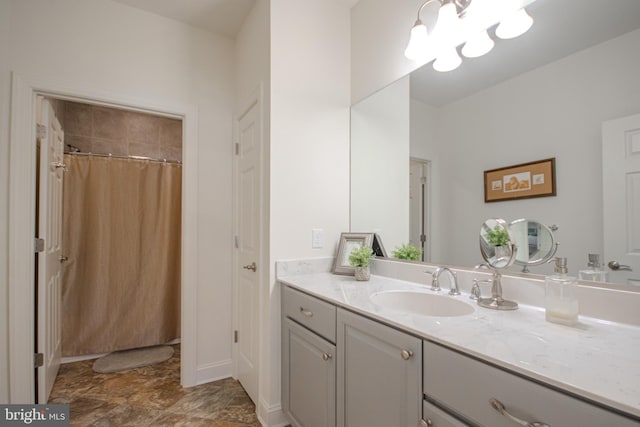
x=476, y=292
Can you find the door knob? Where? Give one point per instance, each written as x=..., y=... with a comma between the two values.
x=63, y=258
x=615, y=265
x=252, y=267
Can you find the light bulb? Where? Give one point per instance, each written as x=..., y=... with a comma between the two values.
x=418, y=42
x=514, y=25
x=480, y=44
x=447, y=60
x=448, y=23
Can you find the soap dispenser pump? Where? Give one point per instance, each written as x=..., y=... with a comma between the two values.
x=561, y=304
x=593, y=271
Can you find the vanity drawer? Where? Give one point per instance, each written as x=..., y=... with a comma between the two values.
x=315, y=314
x=435, y=417
x=465, y=386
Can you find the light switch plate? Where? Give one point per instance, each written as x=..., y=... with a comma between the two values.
x=317, y=238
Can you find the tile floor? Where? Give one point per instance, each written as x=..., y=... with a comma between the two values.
x=150, y=396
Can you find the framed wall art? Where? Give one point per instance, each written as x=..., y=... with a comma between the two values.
x=523, y=181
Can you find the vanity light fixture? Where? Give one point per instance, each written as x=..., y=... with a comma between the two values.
x=514, y=25
x=463, y=21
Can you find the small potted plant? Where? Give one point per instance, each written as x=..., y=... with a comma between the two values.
x=360, y=258
x=408, y=252
x=498, y=236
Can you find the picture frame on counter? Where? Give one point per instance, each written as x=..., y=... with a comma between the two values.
x=351, y=241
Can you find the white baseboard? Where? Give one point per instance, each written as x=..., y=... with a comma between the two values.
x=271, y=415
x=214, y=371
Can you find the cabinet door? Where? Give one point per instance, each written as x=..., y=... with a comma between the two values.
x=379, y=374
x=309, y=377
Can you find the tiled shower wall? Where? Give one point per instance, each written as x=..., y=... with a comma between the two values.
x=103, y=130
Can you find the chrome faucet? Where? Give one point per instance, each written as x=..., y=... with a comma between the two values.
x=435, y=282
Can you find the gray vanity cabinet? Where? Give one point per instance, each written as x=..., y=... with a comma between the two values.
x=309, y=392
x=308, y=360
x=379, y=374
x=466, y=386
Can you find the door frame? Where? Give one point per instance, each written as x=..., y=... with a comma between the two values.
x=21, y=230
x=255, y=99
x=426, y=206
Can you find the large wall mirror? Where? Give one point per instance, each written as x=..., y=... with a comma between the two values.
x=422, y=143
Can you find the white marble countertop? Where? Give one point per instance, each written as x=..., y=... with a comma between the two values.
x=598, y=360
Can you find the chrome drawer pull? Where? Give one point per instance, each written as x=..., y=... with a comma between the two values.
x=307, y=313
x=498, y=406
x=326, y=356
x=406, y=354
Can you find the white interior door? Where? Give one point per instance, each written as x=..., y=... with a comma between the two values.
x=51, y=142
x=248, y=250
x=621, y=197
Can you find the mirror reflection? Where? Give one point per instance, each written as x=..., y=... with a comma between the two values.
x=496, y=244
x=536, y=242
x=420, y=146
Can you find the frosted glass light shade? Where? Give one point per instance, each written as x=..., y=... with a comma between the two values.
x=448, y=60
x=514, y=25
x=448, y=23
x=480, y=44
x=418, y=42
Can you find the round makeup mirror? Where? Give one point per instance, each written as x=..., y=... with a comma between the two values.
x=497, y=245
x=499, y=252
x=536, y=242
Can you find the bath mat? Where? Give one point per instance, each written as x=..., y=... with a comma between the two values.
x=135, y=358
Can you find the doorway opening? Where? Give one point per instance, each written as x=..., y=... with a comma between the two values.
x=419, y=181
x=119, y=223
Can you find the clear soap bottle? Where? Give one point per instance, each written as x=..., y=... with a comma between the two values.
x=561, y=304
x=594, y=270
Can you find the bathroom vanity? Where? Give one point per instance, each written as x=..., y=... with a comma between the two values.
x=351, y=359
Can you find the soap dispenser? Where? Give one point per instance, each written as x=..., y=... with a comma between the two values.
x=561, y=304
x=593, y=271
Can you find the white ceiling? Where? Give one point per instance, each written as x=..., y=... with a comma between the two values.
x=560, y=27
x=223, y=17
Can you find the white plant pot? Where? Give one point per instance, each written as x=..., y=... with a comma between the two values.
x=362, y=274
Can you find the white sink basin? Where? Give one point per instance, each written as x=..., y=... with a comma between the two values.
x=422, y=303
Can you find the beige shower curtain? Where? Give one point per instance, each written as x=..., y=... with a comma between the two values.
x=121, y=234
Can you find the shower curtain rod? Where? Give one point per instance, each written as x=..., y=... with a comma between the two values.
x=151, y=159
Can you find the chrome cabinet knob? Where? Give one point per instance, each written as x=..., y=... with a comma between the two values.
x=305, y=312
x=326, y=356
x=406, y=354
